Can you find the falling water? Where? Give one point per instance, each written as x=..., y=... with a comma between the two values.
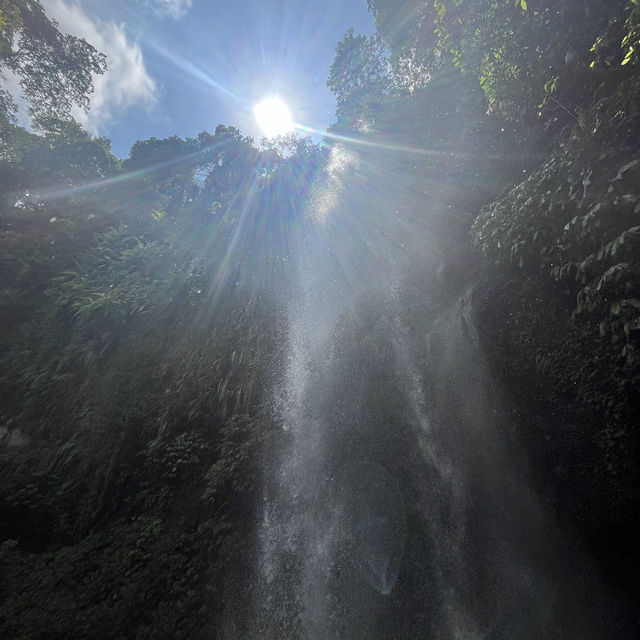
x=398, y=505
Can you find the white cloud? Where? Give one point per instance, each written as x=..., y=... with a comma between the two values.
x=126, y=82
x=169, y=8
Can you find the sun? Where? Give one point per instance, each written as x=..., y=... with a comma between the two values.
x=273, y=117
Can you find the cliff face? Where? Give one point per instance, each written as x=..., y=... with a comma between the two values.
x=142, y=363
x=560, y=315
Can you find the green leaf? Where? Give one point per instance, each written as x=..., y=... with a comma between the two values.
x=523, y=5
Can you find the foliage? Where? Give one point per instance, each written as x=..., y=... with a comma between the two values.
x=532, y=60
x=55, y=70
x=357, y=75
x=136, y=349
x=561, y=319
x=575, y=219
x=141, y=299
x=631, y=40
x=556, y=104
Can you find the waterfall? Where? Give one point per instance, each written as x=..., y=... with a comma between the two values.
x=399, y=504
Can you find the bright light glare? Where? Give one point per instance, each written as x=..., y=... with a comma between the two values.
x=273, y=117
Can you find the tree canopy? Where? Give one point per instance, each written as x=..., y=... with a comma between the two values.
x=55, y=70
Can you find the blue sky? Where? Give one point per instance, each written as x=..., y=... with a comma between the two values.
x=184, y=66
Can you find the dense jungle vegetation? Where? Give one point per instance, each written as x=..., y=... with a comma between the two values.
x=141, y=298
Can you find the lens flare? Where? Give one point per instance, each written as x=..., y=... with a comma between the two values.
x=273, y=117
